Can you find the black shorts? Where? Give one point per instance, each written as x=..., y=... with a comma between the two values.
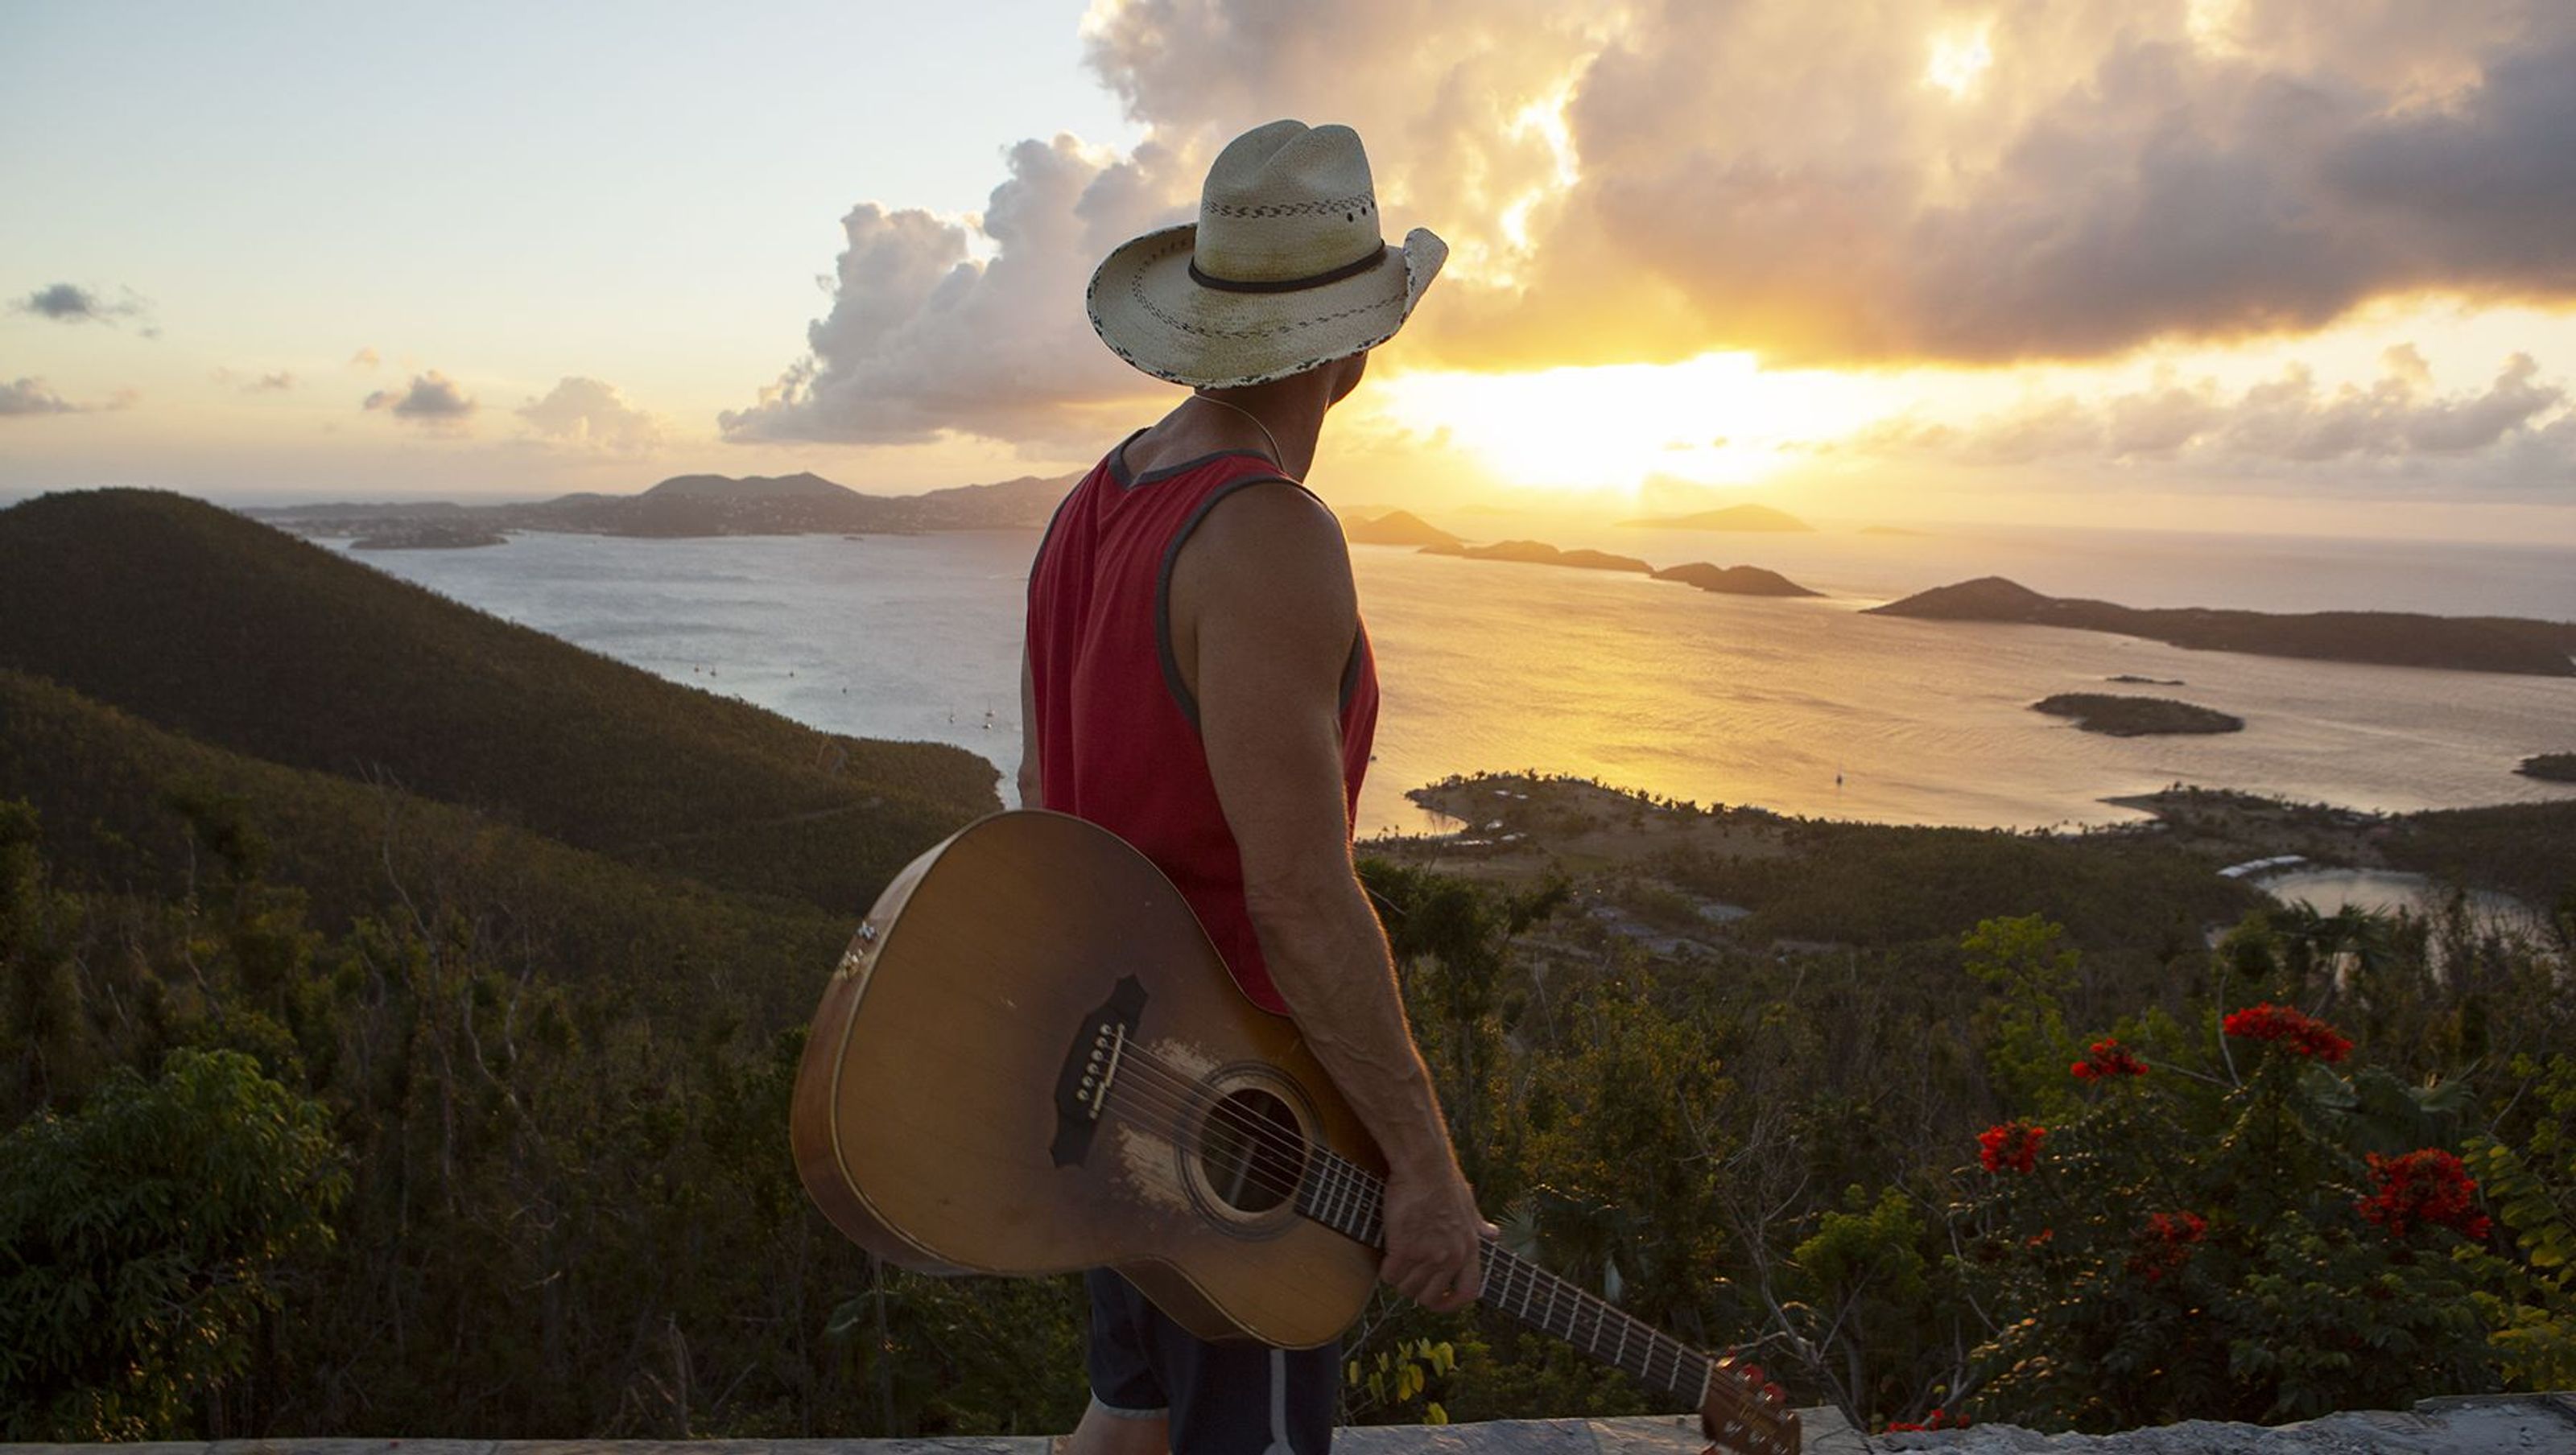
x=1223, y=1399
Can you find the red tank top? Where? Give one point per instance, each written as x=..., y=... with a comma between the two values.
x=1117, y=733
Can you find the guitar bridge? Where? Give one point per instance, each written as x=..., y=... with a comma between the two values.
x=1091, y=1068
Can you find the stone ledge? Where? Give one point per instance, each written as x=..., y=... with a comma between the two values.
x=2525, y=1424
x=1826, y=1430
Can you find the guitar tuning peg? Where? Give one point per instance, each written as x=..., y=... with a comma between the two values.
x=1774, y=1395
x=1752, y=1374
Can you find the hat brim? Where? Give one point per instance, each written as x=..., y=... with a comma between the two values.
x=1146, y=307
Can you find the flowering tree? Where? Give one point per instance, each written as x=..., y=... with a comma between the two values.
x=2235, y=1223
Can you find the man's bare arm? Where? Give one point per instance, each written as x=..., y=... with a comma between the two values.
x=1264, y=615
x=1032, y=792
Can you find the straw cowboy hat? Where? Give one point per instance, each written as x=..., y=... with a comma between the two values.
x=1284, y=270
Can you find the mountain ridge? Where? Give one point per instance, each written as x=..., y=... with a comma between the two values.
x=710, y=505
x=2512, y=644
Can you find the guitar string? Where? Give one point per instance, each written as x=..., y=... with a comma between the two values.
x=1173, y=1099
x=1655, y=1351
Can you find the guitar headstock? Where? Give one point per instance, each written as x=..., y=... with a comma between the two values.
x=1743, y=1413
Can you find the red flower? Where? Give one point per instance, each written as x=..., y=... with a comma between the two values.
x=2293, y=1031
x=2106, y=1059
x=2425, y=1186
x=2177, y=1228
x=2171, y=1236
x=2013, y=1146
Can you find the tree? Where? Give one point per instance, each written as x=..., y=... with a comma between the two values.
x=140, y=1242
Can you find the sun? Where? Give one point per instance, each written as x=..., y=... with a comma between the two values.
x=1957, y=62
x=1717, y=419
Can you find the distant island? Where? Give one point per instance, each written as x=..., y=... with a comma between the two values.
x=2550, y=767
x=1734, y=580
x=692, y=505
x=2136, y=717
x=1396, y=528
x=1733, y=517
x=2132, y=677
x=2381, y=638
x=1540, y=553
x=1725, y=580
x=429, y=535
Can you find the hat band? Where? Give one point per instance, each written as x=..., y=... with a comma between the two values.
x=1375, y=256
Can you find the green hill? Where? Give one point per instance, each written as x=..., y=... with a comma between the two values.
x=241, y=636
x=115, y=796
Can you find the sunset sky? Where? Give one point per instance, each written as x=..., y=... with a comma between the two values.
x=2305, y=266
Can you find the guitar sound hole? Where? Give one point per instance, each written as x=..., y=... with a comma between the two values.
x=1251, y=1151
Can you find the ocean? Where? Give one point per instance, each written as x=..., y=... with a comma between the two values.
x=1800, y=706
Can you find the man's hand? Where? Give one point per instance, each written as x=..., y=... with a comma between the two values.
x=1434, y=1235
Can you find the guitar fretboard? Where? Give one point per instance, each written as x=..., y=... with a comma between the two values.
x=1351, y=1201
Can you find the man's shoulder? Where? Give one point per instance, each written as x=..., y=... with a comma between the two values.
x=1272, y=517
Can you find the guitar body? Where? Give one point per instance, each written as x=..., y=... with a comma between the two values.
x=943, y=1122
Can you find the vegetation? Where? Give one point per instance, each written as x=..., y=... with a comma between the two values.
x=2121, y=716
x=344, y=1100
x=2549, y=767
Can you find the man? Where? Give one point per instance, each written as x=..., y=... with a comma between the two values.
x=1198, y=680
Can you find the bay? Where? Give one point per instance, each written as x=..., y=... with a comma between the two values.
x=1800, y=706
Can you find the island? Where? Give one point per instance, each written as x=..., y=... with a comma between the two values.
x=2550, y=767
x=428, y=535
x=1734, y=580
x=2136, y=717
x=1396, y=528
x=1540, y=553
x=1733, y=517
x=2380, y=638
x=698, y=505
x=2136, y=680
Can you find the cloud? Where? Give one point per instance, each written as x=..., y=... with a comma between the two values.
x=33, y=396
x=1655, y=179
x=591, y=414
x=433, y=401
x=366, y=358
x=2289, y=421
x=277, y=382
x=28, y=396
x=923, y=338
x=71, y=303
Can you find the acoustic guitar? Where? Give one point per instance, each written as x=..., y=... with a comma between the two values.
x=1031, y=1061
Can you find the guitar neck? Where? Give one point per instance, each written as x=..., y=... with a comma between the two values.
x=1351, y=1201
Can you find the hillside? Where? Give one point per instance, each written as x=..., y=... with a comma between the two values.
x=245, y=638
x=114, y=796
x=2384, y=638
x=1734, y=580
x=1733, y=517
